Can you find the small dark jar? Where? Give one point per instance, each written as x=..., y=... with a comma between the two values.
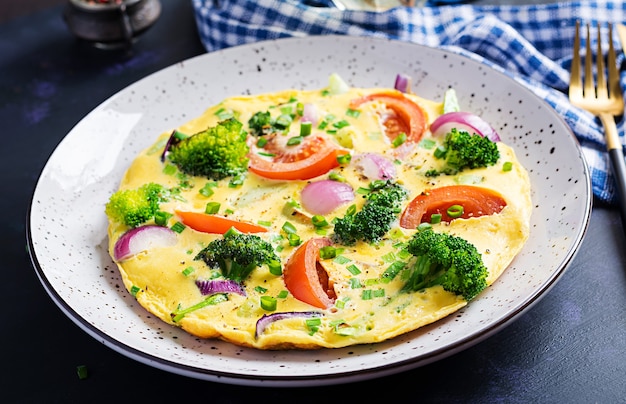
x=110, y=23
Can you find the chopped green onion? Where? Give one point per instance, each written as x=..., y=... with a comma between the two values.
x=305, y=128
x=261, y=142
x=450, y=102
x=161, y=218
x=427, y=144
x=224, y=113
x=294, y=141
x=354, y=113
x=455, y=211
x=209, y=301
x=435, y=218
x=283, y=294
x=265, y=223
x=260, y=289
x=392, y=270
x=399, y=140
x=424, y=226
x=319, y=221
x=268, y=303
x=355, y=283
x=440, y=152
x=336, y=177
x=328, y=252
x=289, y=228
x=212, y=208
x=178, y=227
x=507, y=166
x=341, y=124
x=366, y=294
x=188, y=271
x=207, y=189
x=294, y=240
x=134, y=290
x=353, y=269
x=344, y=158
x=81, y=371
x=170, y=169
x=342, y=260
x=275, y=268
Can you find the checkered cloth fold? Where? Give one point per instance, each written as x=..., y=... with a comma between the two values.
x=530, y=43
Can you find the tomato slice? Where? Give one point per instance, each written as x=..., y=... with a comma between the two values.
x=404, y=116
x=476, y=201
x=215, y=224
x=305, y=277
x=314, y=156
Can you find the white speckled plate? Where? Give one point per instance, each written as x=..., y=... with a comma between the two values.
x=67, y=225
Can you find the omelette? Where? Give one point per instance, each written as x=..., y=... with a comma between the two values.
x=298, y=235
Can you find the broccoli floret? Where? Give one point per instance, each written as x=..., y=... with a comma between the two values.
x=261, y=123
x=237, y=254
x=374, y=220
x=462, y=150
x=216, y=153
x=136, y=206
x=446, y=260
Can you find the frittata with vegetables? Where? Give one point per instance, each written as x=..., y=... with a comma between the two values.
x=319, y=218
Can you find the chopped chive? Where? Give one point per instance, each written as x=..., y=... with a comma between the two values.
x=328, y=252
x=294, y=240
x=170, y=169
x=261, y=142
x=178, y=227
x=341, y=124
x=289, y=228
x=354, y=113
x=266, y=154
x=81, y=371
x=455, y=211
x=207, y=190
x=353, y=269
x=209, y=301
x=399, y=140
x=275, y=268
x=427, y=144
x=268, y=303
x=161, y=218
x=134, y=290
x=435, y=218
x=440, y=152
x=319, y=221
x=344, y=158
x=305, y=128
x=212, y=208
x=294, y=141
x=341, y=259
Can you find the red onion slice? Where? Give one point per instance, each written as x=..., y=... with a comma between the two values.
x=403, y=83
x=322, y=197
x=268, y=319
x=463, y=121
x=309, y=113
x=375, y=166
x=141, y=239
x=210, y=287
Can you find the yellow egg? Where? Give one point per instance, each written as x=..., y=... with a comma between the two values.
x=367, y=308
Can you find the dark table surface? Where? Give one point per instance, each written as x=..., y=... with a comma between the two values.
x=569, y=347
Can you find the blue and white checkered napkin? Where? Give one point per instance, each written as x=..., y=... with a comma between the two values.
x=531, y=43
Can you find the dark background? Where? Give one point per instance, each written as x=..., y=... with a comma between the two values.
x=570, y=347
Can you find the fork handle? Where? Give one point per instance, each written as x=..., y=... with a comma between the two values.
x=618, y=164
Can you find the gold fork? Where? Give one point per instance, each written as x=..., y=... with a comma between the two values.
x=604, y=100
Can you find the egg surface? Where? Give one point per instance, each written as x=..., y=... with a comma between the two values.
x=320, y=157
